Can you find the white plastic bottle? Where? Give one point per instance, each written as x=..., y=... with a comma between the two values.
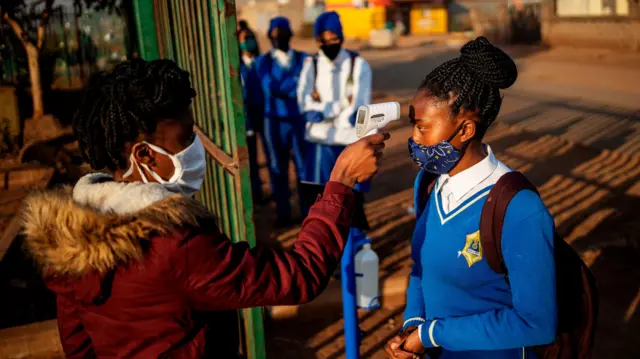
x=367, y=281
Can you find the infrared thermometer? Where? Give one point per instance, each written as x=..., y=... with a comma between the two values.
x=375, y=117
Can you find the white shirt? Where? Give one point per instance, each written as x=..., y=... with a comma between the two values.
x=333, y=88
x=454, y=190
x=248, y=61
x=282, y=58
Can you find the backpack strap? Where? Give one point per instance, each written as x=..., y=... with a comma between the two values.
x=315, y=72
x=353, y=56
x=492, y=217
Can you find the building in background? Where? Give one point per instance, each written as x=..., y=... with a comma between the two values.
x=301, y=14
x=360, y=17
x=462, y=11
x=592, y=23
x=427, y=17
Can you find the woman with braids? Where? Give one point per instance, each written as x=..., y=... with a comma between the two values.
x=457, y=307
x=138, y=266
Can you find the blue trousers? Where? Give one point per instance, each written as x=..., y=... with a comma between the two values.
x=319, y=162
x=254, y=169
x=284, y=138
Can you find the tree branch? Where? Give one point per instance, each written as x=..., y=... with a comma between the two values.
x=17, y=29
x=44, y=20
x=40, y=35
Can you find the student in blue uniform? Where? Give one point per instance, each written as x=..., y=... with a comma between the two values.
x=333, y=85
x=253, y=105
x=243, y=25
x=279, y=72
x=457, y=307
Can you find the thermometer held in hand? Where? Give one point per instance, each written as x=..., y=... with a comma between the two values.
x=376, y=116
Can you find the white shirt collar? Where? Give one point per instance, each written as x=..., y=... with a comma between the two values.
x=283, y=58
x=465, y=181
x=248, y=61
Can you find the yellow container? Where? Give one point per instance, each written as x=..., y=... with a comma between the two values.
x=357, y=23
x=428, y=19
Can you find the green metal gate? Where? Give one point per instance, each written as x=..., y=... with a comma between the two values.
x=200, y=36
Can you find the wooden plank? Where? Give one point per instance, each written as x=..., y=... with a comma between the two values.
x=219, y=156
x=21, y=167
x=37, y=340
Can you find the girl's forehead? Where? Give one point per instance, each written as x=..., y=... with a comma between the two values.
x=427, y=106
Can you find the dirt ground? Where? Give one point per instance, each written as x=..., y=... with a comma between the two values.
x=571, y=124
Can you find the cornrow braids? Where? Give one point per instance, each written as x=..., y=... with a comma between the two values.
x=475, y=79
x=119, y=106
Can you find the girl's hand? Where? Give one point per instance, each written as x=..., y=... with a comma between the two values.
x=395, y=347
x=315, y=96
x=413, y=344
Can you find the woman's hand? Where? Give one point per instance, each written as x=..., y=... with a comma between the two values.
x=359, y=161
x=396, y=348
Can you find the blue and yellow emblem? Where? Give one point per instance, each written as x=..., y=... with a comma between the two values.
x=472, y=250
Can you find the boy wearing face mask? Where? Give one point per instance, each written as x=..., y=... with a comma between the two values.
x=139, y=267
x=333, y=84
x=253, y=104
x=279, y=72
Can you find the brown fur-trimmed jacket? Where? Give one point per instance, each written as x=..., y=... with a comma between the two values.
x=137, y=270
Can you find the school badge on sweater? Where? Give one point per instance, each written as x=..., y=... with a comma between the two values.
x=472, y=250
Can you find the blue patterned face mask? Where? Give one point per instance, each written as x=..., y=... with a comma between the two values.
x=438, y=159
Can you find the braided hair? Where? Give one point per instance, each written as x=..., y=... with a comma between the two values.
x=119, y=106
x=475, y=79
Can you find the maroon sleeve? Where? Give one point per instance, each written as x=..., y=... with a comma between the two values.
x=217, y=274
x=75, y=341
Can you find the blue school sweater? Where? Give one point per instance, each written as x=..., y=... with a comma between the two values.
x=252, y=96
x=280, y=85
x=463, y=306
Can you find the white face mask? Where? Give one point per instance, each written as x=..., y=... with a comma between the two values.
x=190, y=166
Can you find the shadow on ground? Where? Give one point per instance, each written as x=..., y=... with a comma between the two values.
x=588, y=177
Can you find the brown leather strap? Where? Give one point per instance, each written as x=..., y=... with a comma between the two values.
x=492, y=217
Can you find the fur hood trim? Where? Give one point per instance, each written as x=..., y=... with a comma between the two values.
x=70, y=238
